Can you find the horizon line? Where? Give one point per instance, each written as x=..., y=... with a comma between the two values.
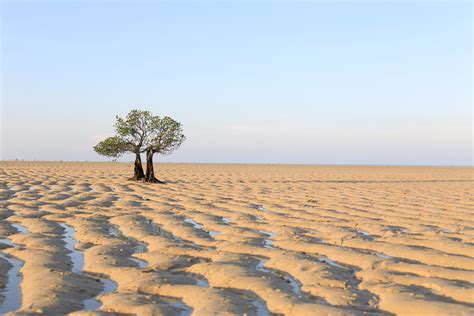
x=247, y=163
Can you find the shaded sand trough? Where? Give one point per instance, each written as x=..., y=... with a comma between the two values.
x=233, y=239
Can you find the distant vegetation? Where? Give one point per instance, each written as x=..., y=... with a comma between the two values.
x=141, y=132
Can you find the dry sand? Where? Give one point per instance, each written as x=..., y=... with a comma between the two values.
x=236, y=239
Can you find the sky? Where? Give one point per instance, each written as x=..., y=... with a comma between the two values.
x=354, y=82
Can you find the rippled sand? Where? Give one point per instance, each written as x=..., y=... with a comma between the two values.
x=236, y=239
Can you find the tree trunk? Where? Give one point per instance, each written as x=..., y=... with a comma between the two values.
x=150, y=173
x=138, y=173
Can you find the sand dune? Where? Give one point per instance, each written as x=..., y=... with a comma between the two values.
x=236, y=239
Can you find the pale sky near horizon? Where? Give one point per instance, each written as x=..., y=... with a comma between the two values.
x=267, y=82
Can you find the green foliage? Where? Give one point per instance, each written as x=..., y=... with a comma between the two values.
x=134, y=128
x=112, y=147
x=140, y=131
x=166, y=135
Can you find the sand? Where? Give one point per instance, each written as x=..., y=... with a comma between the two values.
x=236, y=239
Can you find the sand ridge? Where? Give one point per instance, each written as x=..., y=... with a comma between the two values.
x=239, y=239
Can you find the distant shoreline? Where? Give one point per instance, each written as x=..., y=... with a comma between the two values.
x=244, y=164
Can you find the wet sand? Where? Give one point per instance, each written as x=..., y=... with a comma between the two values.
x=236, y=239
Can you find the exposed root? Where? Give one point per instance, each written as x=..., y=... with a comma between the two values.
x=153, y=180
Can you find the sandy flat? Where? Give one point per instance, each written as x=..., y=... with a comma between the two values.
x=236, y=239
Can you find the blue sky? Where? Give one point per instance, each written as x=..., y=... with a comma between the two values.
x=277, y=82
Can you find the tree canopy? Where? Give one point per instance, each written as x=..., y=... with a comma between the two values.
x=166, y=135
x=112, y=147
x=134, y=128
x=138, y=132
x=131, y=134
